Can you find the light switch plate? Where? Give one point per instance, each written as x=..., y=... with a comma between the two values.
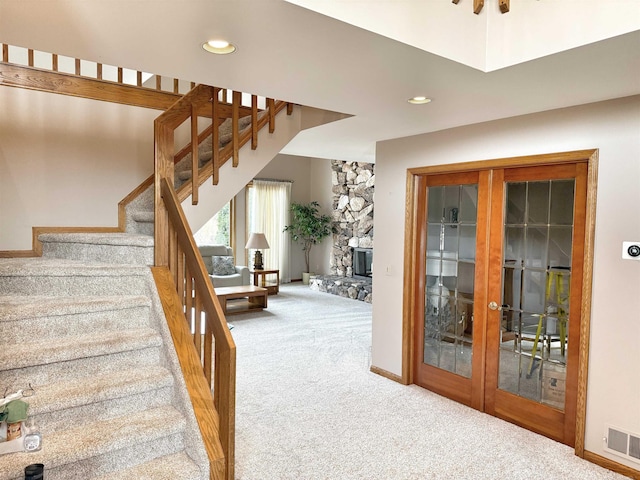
x=631, y=250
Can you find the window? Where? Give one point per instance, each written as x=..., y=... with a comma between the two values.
x=268, y=212
x=218, y=230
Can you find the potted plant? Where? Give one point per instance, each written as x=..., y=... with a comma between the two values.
x=308, y=227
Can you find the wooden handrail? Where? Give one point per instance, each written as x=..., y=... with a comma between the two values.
x=197, y=386
x=187, y=269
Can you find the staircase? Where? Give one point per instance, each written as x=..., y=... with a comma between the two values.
x=85, y=327
x=91, y=340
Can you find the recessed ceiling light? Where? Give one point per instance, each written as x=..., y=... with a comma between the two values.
x=419, y=100
x=221, y=47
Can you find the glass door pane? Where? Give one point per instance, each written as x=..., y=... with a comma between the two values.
x=536, y=275
x=450, y=271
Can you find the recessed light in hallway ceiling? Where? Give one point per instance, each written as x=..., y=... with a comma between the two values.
x=419, y=100
x=220, y=47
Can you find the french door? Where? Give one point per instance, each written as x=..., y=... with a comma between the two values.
x=497, y=281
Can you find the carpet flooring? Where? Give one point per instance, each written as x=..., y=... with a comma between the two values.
x=308, y=408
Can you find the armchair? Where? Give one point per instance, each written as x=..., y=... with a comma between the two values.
x=218, y=259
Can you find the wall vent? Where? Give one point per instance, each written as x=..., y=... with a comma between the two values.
x=622, y=442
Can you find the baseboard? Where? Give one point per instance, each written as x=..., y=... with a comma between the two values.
x=611, y=465
x=17, y=253
x=386, y=374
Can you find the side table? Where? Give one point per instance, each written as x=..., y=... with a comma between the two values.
x=260, y=280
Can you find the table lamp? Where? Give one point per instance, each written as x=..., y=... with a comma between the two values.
x=257, y=242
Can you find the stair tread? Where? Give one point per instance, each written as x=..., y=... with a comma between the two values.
x=170, y=467
x=21, y=307
x=98, y=438
x=112, y=238
x=143, y=215
x=61, y=267
x=86, y=390
x=69, y=348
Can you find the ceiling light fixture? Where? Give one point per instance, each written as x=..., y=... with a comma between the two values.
x=220, y=47
x=419, y=100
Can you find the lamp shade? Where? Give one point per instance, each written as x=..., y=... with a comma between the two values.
x=257, y=241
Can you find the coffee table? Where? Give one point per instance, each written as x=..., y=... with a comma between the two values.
x=242, y=299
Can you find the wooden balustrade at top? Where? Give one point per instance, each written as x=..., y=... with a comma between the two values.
x=17, y=75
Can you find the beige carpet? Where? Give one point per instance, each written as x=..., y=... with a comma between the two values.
x=308, y=408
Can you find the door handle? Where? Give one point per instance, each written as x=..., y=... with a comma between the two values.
x=495, y=306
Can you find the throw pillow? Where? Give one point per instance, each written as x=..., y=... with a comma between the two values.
x=223, y=265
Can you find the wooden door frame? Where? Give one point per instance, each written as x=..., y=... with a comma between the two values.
x=413, y=240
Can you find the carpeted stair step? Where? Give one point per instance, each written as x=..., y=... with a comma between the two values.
x=103, y=446
x=44, y=361
x=119, y=248
x=50, y=317
x=50, y=276
x=170, y=467
x=57, y=405
x=145, y=220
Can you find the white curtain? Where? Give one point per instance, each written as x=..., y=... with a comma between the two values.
x=269, y=207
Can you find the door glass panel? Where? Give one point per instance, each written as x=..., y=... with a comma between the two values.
x=535, y=293
x=450, y=269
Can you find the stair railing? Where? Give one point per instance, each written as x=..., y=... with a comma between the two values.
x=175, y=247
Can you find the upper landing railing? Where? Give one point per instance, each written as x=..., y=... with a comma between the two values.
x=52, y=62
x=50, y=72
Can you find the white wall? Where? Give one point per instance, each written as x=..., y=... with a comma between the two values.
x=321, y=191
x=67, y=161
x=614, y=128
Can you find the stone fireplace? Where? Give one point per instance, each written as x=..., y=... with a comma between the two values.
x=352, y=253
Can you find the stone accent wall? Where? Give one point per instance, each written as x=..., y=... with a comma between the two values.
x=353, y=184
x=354, y=288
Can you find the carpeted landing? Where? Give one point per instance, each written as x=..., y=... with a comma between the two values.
x=309, y=409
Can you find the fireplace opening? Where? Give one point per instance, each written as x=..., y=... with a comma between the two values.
x=362, y=262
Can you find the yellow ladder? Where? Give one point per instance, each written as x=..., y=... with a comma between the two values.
x=557, y=276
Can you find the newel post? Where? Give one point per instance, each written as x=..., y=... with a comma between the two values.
x=164, y=168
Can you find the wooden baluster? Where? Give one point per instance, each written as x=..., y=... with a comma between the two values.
x=176, y=86
x=193, y=84
x=5, y=53
x=54, y=62
x=188, y=304
x=158, y=82
x=215, y=137
x=208, y=336
x=455, y=1
x=254, y=122
x=477, y=6
x=504, y=5
x=99, y=71
x=182, y=275
x=197, y=335
x=30, y=57
x=289, y=108
x=173, y=253
x=225, y=98
x=195, y=159
x=139, y=79
x=272, y=114
x=77, y=66
x=235, y=116
x=120, y=74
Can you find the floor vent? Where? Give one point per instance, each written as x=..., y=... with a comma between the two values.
x=622, y=442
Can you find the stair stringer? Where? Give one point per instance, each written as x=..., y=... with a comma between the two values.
x=232, y=179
